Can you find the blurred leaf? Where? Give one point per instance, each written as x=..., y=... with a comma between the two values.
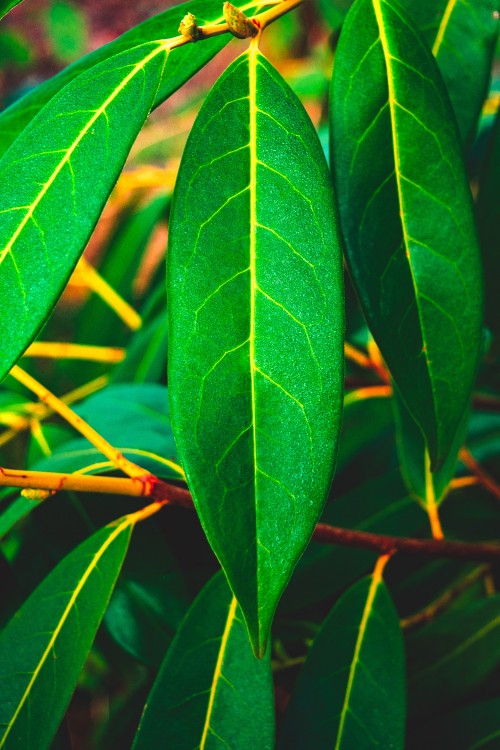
x=406, y=213
x=67, y=30
x=211, y=691
x=451, y=656
x=489, y=227
x=53, y=632
x=14, y=50
x=380, y=506
x=183, y=63
x=334, y=12
x=462, y=36
x=255, y=385
x=149, y=599
x=472, y=727
x=351, y=690
x=429, y=487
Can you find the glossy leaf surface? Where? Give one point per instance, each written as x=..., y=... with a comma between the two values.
x=351, y=691
x=182, y=64
x=462, y=37
x=211, y=691
x=55, y=181
x=406, y=215
x=256, y=326
x=53, y=632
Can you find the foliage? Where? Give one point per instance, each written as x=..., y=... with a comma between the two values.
x=279, y=613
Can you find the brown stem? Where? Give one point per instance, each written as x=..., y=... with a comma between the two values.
x=325, y=534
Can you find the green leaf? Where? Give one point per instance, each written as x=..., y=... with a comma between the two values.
x=427, y=486
x=351, y=691
x=489, y=230
x=211, y=691
x=406, y=215
x=67, y=30
x=452, y=655
x=7, y=5
x=150, y=597
x=182, y=64
x=473, y=727
x=256, y=325
x=56, y=179
x=53, y=632
x=462, y=36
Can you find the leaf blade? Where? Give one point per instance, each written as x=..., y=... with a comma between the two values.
x=219, y=372
x=30, y=687
x=230, y=702
x=407, y=215
x=344, y=696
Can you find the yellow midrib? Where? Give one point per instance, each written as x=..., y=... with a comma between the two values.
x=127, y=522
x=443, y=26
x=164, y=46
x=252, y=93
x=376, y=579
x=218, y=671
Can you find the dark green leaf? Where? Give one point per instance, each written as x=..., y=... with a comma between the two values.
x=6, y=5
x=53, y=632
x=462, y=36
x=182, y=64
x=452, y=655
x=256, y=327
x=149, y=599
x=474, y=727
x=211, y=691
x=427, y=486
x=351, y=691
x=407, y=216
x=489, y=227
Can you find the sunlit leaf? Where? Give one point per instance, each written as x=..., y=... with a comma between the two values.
x=211, y=691
x=351, y=691
x=256, y=326
x=53, y=632
x=406, y=214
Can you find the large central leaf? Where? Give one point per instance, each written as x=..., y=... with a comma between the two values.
x=406, y=214
x=256, y=306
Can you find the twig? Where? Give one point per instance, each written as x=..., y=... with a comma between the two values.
x=441, y=603
x=64, y=350
x=326, y=534
x=150, y=486
x=483, y=476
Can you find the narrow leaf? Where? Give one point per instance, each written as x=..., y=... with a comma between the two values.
x=182, y=64
x=211, y=691
x=256, y=325
x=55, y=181
x=53, y=632
x=7, y=5
x=462, y=36
x=451, y=656
x=406, y=214
x=351, y=691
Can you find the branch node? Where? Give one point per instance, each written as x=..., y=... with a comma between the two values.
x=189, y=28
x=238, y=23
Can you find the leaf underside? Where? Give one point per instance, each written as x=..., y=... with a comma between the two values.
x=256, y=327
x=406, y=215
